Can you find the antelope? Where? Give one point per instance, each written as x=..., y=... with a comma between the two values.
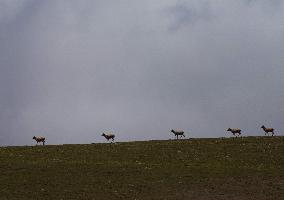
x=178, y=132
x=268, y=130
x=235, y=131
x=39, y=139
x=109, y=136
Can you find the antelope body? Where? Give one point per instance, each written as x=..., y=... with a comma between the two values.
x=39, y=139
x=268, y=130
x=178, y=132
x=109, y=136
x=235, y=131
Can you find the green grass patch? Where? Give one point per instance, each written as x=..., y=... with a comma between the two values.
x=232, y=168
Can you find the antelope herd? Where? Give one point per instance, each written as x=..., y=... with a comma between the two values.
x=238, y=131
x=235, y=131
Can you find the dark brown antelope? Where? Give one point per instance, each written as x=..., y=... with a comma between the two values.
x=39, y=139
x=109, y=136
x=235, y=131
x=178, y=132
x=268, y=130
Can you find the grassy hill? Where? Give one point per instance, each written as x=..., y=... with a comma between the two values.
x=232, y=168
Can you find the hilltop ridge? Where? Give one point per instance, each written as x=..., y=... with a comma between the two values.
x=207, y=168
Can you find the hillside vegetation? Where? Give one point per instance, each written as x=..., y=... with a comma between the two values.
x=232, y=168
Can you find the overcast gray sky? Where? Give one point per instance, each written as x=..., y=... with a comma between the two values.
x=71, y=69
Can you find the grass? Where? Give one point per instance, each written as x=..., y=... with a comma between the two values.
x=232, y=168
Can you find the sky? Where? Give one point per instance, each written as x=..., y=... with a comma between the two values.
x=70, y=70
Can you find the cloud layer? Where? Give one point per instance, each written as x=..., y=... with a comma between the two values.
x=70, y=70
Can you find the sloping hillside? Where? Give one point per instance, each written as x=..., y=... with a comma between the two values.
x=232, y=168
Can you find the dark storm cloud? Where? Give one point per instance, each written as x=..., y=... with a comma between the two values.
x=70, y=70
